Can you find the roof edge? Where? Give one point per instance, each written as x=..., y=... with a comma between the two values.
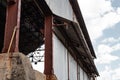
x=76, y=9
x=81, y=22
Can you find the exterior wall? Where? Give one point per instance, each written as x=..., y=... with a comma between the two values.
x=81, y=74
x=59, y=60
x=64, y=64
x=85, y=76
x=72, y=68
x=62, y=8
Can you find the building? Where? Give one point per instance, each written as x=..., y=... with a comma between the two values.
x=59, y=25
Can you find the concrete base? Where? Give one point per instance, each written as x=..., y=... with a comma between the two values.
x=18, y=67
x=39, y=76
x=51, y=77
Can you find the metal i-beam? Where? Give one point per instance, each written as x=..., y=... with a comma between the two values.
x=49, y=71
x=12, y=21
x=48, y=46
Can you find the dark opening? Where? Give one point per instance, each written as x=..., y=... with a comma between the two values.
x=2, y=22
x=31, y=27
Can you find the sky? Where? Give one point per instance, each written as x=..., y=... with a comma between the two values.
x=102, y=19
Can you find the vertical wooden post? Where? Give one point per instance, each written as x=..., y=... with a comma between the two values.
x=48, y=48
x=12, y=21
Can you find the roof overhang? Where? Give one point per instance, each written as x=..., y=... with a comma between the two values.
x=71, y=36
x=80, y=19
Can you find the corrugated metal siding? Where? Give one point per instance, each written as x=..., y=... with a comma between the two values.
x=60, y=63
x=81, y=74
x=61, y=8
x=73, y=68
x=59, y=59
x=85, y=76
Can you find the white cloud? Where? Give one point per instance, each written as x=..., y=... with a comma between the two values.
x=99, y=15
x=111, y=40
x=106, y=59
x=109, y=74
x=118, y=10
x=106, y=74
x=104, y=53
x=116, y=74
x=116, y=47
x=104, y=49
x=93, y=8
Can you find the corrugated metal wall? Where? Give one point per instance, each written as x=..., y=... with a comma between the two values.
x=64, y=65
x=59, y=59
x=72, y=68
x=62, y=8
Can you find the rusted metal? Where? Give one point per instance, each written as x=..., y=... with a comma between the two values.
x=68, y=66
x=12, y=20
x=18, y=27
x=57, y=25
x=48, y=46
x=11, y=2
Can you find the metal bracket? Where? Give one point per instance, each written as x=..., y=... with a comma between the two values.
x=59, y=24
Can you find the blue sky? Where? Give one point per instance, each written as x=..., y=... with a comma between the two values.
x=102, y=18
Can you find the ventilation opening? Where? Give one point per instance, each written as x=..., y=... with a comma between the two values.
x=31, y=27
x=2, y=22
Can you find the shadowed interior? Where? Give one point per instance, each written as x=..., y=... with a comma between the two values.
x=31, y=27
x=2, y=22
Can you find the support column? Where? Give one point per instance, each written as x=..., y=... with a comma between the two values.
x=48, y=49
x=12, y=21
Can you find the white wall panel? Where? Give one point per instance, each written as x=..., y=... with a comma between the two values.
x=60, y=63
x=61, y=8
x=85, y=76
x=72, y=68
x=81, y=74
x=59, y=59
